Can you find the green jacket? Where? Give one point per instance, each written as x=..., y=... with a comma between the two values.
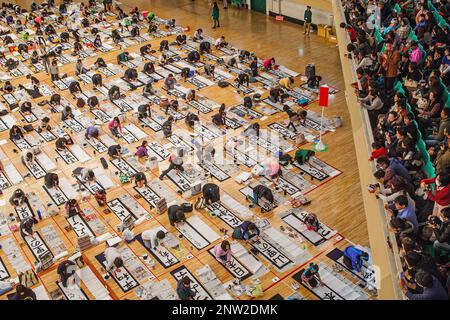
x=215, y=13
x=308, y=16
x=303, y=155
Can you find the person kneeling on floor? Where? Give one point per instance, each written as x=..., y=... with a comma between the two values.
x=311, y=276
x=176, y=215
x=354, y=258
x=246, y=231
x=261, y=192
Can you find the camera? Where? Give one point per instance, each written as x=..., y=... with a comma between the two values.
x=433, y=220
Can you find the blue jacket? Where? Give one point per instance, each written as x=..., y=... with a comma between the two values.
x=246, y=232
x=409, y=214
x=353, y=254
x=398, y=168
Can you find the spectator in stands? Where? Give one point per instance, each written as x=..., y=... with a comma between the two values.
x=389, y=62
x=393, y=167
x=441, y=195
x=443, y=125
x=402, y=208
x=432, y=289
x=441, y=231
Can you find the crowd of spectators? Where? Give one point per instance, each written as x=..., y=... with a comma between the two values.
x=401, y=50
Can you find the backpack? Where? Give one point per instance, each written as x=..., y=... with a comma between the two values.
x=223, y=84
x=187, y=207
x=124, y=178
x=104, y=163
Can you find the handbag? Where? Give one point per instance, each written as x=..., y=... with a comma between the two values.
x=300, y=138
x=411, y=83
x=422, y=103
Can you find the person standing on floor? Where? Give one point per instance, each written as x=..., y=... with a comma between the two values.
x=215, y=15
x=225, y=4
x=175, y=162
x=308, y=18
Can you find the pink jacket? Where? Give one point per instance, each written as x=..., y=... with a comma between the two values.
x=111, y=125
x=219, y=252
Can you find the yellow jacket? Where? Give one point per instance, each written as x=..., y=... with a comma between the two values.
x=284, y=83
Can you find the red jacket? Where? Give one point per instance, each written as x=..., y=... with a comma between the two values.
x=442, y=196
x=378, y=153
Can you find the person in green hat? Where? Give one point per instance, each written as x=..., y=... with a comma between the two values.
x=215, y=15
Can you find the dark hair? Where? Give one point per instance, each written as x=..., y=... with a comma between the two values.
x=446, y=212
x=376, y=145
x=90, y=174
x=446, y=111
x=20, y=288
x=379, y=174
x=444, y=178
x=408, y=243
x=398, y=223
x=401, y=200
x=383, y=160
x=160, y=234
x=424, y=279
x=314, y=266
x=118, y=262
x=224, y=245
x=412, y=258
x=186, y=280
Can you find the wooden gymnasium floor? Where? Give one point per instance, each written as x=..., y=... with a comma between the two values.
x=337, y=201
